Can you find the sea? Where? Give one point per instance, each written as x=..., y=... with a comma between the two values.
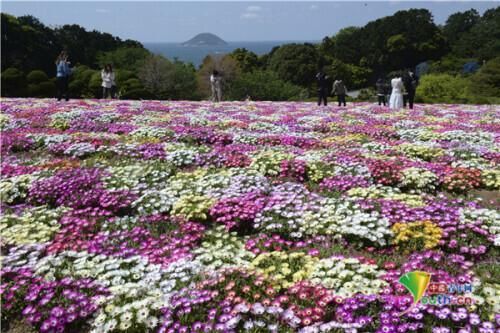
x=196, y=54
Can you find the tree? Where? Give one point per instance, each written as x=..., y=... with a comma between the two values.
x=154, y=75
x=247, y=60
x=129, y=58
x=460, y=23
x=482, y=41
x=79, y=85
x=297, y=63
x=345, y=45
x=13, y=83
x=263, y=85
x=486, y=82
x=32, y=45
x=167, y=80
x=226, y=66
x=353, y=76
x=395, y=42
x=449, y=64
x=183, y=81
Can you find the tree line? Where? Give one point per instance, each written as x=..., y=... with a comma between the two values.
x=458, y=61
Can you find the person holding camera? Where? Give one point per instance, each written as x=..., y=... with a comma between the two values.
x=62, y=76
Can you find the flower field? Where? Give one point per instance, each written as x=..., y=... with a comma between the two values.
x=149, y=216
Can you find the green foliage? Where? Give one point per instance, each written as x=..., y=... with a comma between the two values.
x=128, y=58
x=391, y=43
x=443, y=88
x=42, y=89
x=486, y=82
x=227, y=67
x=263, y=85
x=247, y=60
x=37, y=76
x=357, y=55
x=449, y=64
x=482, y=41
x=459, y=23
x=79, y=83
x=13, y=82
x=166, y=80
x=39, y=84
x=367, y=95
x=94, y=86
x=352, y=75
x=344, y=46
x=32, y=45
x=297, y=63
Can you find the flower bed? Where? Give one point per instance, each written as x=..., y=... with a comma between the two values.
x=138, y=216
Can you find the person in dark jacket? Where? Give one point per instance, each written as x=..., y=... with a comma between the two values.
x=322, y=79
x=381, y=91
x=340, y=90
x=410, y=82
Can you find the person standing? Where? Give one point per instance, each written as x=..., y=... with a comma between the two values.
x=62, y=75
x=340, y=90
x=381, y=91
x=396, y=100
x=322, y=79
x=216, y=86
x=113, y=87
x=108, y=77
x=410, y=83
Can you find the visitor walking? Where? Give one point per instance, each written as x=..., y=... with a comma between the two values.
x=340, y=90
x=381, y=91
x=322, y=79
x=410, y=82
x=396, y=100
x=62, y=75
x=108, y=78
x=216, y=85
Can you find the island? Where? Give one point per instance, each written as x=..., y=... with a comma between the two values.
x=204, y=39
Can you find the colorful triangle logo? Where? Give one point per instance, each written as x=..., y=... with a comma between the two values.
x=416, y=282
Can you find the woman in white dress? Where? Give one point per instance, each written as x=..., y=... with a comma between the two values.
x=396, y=100
x=108, y=78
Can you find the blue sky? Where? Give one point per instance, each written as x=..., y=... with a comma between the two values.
x=232, y=21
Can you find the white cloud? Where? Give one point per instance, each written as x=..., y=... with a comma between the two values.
x=251, y=12
x=249, y=16
x=313, y=7
x=254, y=8
x=101, y=11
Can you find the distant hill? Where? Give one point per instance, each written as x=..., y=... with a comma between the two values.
x=204, y=39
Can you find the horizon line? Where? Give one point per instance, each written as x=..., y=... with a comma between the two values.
x=239, y=41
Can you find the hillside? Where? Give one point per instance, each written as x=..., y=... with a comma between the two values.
x=205, y=39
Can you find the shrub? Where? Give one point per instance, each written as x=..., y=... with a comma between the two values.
x=13, y=83
x=263, y=85
x=36, y=77
x=443, y=88
x=42, y=89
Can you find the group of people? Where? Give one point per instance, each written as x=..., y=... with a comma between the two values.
x=339, y=89
x=402, y=92
x=403, y=86
x=63, y=73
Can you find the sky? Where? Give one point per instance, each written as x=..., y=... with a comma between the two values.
x=232, y=21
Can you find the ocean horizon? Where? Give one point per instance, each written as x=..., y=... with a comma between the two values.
x=196, y=54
